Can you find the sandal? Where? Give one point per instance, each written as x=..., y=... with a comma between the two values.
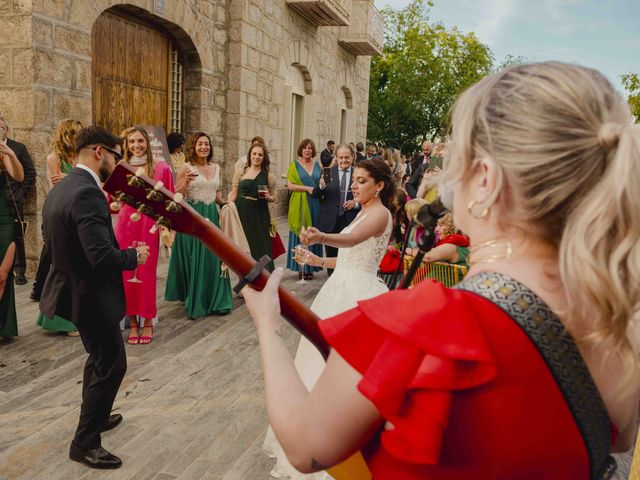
x=73, y=333
x=146, y=339
x=134, y=339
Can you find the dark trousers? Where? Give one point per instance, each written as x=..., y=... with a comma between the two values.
x=103, y=374
x=20, y=259
x=331, y=252
x=43, y=270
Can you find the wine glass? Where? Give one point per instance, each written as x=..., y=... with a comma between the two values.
x=135, y=279
x=300, y=256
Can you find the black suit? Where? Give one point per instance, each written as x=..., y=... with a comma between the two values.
x=20, y=191
x=359, y=157
x=85, y=286
x=413, y=183
x=326, y=157
x=330, y=219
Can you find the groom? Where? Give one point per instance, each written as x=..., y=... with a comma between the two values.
x=85, y=286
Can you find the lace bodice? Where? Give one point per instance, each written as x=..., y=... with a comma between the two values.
x=367, y=255
x=202, y=190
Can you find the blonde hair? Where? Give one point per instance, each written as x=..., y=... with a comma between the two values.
x=412, y=206
x=127, y=153
x=447, y=227
x=562, y=140
x=63, y=144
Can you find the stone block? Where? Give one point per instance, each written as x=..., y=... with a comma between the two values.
x=16, y=105
x=20, y=28
x=65, y=106
x=53, y=8
x=22, y=65
x=52, y=68
x=82, y=76
x=6, y=59
x=252, y=104
x=42, y=32
x=22, y=7
x=253, y=58
x=72, y=40
x=83, y=14
x=42, y=108
x=249, y=35
x=248, y=80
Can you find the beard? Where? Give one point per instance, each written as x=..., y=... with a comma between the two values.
x=104, y=171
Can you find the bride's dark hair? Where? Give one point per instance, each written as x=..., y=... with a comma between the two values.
x=380, y=172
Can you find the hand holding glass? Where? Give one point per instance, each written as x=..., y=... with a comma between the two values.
x=263, y=191
x=135, y=244
x=300, y=255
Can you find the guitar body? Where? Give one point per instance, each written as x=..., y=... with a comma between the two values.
x=132, y=186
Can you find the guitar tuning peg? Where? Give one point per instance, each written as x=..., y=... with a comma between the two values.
x=114, y=206
x=158, y=185
x=178, y=197
x=135, y=216
x=154, y=228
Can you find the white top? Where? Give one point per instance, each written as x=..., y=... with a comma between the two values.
x=93, y=174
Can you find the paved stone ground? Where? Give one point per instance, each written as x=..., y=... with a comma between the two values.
x=192, y=399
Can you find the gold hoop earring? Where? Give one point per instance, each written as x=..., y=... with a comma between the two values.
x=471, y=206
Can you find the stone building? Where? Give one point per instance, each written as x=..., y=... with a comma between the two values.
x=282, y=69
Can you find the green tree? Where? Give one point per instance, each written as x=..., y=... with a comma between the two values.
x=423, y=69
x=631, y=83
x=510, y=61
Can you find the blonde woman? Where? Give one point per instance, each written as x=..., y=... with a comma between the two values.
x=140, y=284
x=60, y=162
x=529, y=368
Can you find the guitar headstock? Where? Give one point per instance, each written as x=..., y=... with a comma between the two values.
x=132, y=186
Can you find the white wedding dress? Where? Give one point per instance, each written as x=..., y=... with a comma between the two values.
x=354, y=278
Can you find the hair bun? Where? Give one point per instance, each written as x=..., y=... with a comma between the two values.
x=609, y=135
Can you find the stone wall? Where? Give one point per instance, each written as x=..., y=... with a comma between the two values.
x=235, y=54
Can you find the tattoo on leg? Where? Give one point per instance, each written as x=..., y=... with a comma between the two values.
x=317, y=464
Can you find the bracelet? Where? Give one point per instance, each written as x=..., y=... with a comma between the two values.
x=324, y=235
x=322, y=262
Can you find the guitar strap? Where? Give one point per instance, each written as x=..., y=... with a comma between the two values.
x=562, y=357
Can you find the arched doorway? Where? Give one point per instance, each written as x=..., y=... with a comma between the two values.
x=137, y=75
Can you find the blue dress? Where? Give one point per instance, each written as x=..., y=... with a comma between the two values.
x=314, y=208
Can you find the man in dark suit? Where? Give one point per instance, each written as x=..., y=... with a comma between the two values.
x=85, y=285
x=20, y=190
x=326, y=155
x=418, y=168
x=360, y=155
x=337, y=206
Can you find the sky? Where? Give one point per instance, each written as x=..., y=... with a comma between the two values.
x=602, y=34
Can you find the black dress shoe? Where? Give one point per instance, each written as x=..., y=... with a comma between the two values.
x=94, y=457
x=21, y=279
x=113, y=422
x=35, y=296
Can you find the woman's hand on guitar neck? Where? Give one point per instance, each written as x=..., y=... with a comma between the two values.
x=264, y=306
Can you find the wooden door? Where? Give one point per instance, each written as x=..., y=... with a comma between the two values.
x=131, y=63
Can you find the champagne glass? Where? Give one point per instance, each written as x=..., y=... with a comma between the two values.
x=135, y=279
x=300, y=256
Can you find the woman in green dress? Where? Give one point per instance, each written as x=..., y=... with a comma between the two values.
x=60, y=162
x=195, y=274
x=252, y=188
x=9, y=167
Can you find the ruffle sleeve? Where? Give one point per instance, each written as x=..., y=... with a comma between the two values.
x=414, y=348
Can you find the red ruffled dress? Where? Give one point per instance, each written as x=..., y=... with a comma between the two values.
x=468, y=393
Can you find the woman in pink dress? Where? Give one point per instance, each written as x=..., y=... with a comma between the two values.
x=141, y=294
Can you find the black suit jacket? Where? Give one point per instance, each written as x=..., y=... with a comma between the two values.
x=326, y=157
x=413, y=183
x=84, y=284
x=330, y=202
x=21, y=189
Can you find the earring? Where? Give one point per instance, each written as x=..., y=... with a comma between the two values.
x=377, y=192
x=471, y=206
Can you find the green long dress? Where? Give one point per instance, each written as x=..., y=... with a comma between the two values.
x=195, y=276
x=8, y=317
x=255, y=218
x=57, y=324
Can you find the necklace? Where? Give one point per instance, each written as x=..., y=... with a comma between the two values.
x=497, y=250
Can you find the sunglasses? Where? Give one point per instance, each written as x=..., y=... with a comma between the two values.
x=116, y=155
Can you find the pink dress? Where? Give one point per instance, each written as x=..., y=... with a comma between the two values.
x=141, y=297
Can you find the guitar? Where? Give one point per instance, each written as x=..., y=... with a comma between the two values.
x=132, y=186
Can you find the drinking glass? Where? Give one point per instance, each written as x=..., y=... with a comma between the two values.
x=134, y=279
x=300, y=256
x=263, y=191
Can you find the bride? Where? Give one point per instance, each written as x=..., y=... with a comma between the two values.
x=362, y=245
